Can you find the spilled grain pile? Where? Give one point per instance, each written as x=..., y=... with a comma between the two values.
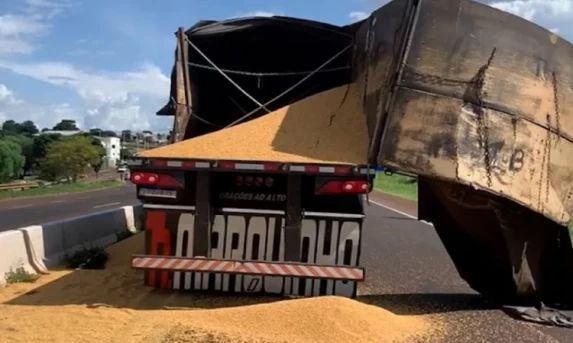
x=328, y=127
x=112, y=305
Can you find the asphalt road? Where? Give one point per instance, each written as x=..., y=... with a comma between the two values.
x=408, y=270
x=17, y=213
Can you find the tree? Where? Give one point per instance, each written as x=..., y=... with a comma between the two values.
x=28, y=128
x=11, y=161
x=126, y=154
x=96, y=132
x=108, y=133
x=69, y=157
x=101, y=151
x=40, y=147
x=66, y=125
x=26, y=146
x=126, y=135
x=10, y=127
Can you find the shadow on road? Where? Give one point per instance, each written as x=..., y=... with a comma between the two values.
x=428, y=303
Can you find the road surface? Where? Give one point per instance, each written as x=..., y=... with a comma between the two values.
x=17, y=213
x=408, y=270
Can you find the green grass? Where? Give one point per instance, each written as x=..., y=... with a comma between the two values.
x=60, y=189
x=20, y=275
x=397, y=185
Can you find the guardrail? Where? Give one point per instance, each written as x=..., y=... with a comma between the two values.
x=18, y=186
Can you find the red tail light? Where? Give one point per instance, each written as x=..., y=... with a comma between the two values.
x=344, y=187
x=152, y=179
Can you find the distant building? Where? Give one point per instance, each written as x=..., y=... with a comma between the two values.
x=112, y=147
x=56, y=132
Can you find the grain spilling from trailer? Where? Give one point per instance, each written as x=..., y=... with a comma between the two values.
x=120, y=308
x=328, y=127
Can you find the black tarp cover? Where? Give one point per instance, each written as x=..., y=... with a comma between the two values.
x=259, y=45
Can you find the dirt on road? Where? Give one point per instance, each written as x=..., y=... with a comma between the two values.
x=112, y=305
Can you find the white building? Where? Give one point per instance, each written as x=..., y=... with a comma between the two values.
x=56, y=132
x=112, y=147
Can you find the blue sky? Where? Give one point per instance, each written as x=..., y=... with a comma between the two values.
x=105, y=63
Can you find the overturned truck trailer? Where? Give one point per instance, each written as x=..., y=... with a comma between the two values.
x=479, y=104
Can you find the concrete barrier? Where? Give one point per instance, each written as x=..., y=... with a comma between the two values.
x=14, y=254
x=40, y=247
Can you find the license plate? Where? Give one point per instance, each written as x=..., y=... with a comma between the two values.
x=158, y=193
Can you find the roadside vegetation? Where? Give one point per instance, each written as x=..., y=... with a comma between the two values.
x=401, y=186
x=59, y=160
x=406, y=188
x=87, y=258
x=61, y=189
x=20, y=275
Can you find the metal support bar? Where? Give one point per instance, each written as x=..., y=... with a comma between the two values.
x=202, y=231
x=291, y=88
x=225, y=75
x=293, y=221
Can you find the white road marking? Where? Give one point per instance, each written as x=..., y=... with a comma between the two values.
x=56, y=201
x=22, y=206
x=106, y=205
x=400, y=212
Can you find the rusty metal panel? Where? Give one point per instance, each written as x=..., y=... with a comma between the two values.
x=473, y=52
x=445, y=138
x=482, y=98
x=378, y=45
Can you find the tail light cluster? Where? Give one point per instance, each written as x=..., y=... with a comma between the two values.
x=152, y=179
x=258, y=181
x=344, y=187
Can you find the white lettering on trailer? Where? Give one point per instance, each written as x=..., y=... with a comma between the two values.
x=218, y=229
x=308, y=232
x=257, y=226
x=228, y=227
x=274, y=284
x=236, y=226
x=350, y=232
x=330, y=257
x=186, y=224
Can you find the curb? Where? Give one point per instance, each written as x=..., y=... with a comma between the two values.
x=37, y=248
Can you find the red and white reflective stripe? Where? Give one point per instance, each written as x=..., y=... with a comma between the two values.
x=251, y=268
x=322, y=169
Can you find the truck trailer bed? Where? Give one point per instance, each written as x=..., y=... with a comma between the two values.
x=326, y=128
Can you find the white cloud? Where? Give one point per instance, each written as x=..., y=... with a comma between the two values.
x=529, y=9
x=7, y=97
x=258, y=14
x=146, y=80
x=19, y=33
x=358, y=15
x=109, y=100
